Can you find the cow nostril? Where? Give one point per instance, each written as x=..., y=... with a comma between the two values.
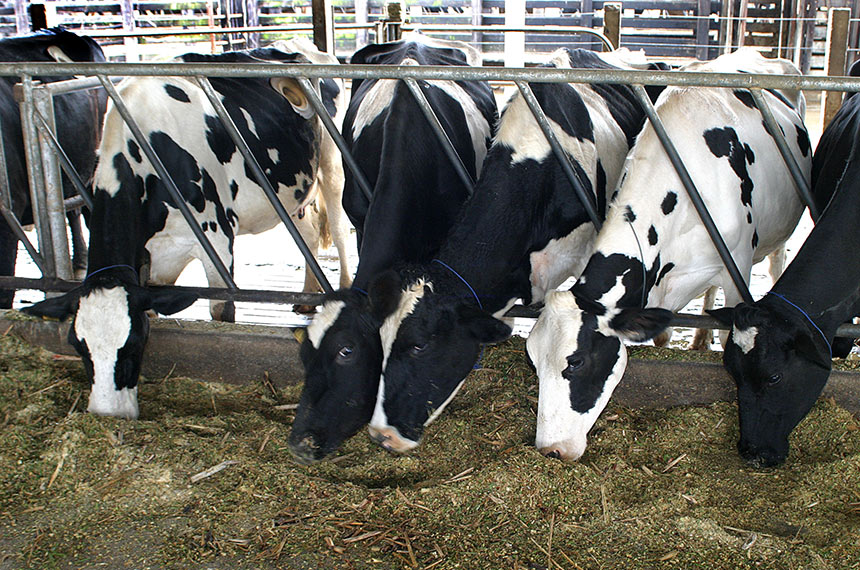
x=554, y=454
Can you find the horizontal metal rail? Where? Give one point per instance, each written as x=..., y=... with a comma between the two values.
x=682, y=320
x=206, y=30
x=466, y=28
x=455, y=73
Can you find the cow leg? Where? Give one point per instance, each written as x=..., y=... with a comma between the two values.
x=8, y=255
x=703, y=337
x=310, y=221
x=776, y=263
x=224, y=311
x=79, y=244
x=335, y=226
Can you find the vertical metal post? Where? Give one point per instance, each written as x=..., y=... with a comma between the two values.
x=22, y=19
x=440, y=133
x=477, y=20
x=264, y=183
x=835, y=58
x=586, y=199
x=319, y=108
x=360, y=18
x=778, y=137
x=65, y=162
x=168, y=182
x=252, y=20
x=36, y=177
x=56, y=210
x=693, y=193
x=702, y=31
x=515, y=42
x=612, y=23
x=127, y=10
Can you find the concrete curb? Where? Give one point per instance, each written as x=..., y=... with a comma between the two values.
x=241, y=354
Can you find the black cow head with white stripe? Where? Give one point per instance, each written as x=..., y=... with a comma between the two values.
x=111, y=349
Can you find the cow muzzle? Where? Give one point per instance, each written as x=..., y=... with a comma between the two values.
x=566, y=451
x=391, y=440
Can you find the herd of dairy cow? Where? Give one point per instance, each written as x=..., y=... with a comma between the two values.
x=442, y=260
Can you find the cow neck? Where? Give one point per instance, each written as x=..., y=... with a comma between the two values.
x=822, y=279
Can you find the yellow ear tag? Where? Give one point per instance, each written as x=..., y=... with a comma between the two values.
x=300, y=334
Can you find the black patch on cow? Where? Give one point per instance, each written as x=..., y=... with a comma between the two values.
x=219, y=140
x=629, y=216
x=666, y=269
x=134, y=151
x=299, y=194
x=669, y=203
x=652, y=236
x=600, y=191
x=749, y=217
x=183, y=168
x=802, y=140
x=781, y=97
x=205, y=226
x=596, y=356
x=601, y=275
x=177, y=93
x=234, y=189
x=744, y=97
x=750, y=155
x=755, y=239
x=232, y=217
x=725, y=143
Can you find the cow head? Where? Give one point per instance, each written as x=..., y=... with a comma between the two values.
x=430, y=344
x=109, y=331
x=780, y=364
x=579, y=357
x=342, y=357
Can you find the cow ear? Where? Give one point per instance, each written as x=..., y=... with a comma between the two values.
x=812, y=347
x=639, y=325
x=725, y=315
x=293, y=93
x=482, y=326
x=167, y=302
x=384, y=294
x=55, y=307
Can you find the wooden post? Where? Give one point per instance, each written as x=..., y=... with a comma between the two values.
x=252, y=20
x=835, y=59
x=805, y=33
x=612, y=23
x=323, y=19
x=742, y=23
x=515, y=42
x=587, y=21
x=393, y=18
x=210, y=20
x=730, y=27
x=360, y=18
x=702, y=23
x=22, y=17
x=38, y=16
x=477, y=19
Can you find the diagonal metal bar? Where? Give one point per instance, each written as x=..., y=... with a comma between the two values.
x=65, y=163
x=15, y=225
x=328, y=123
x=693, y=193
x=587, y=200
x=168, y=182
x=443, y=137
x=263, y=181
x=779, y=138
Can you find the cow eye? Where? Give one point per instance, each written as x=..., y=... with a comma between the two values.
x=345, y=354
x=575, y=362
x=418, y=348
x=774, y=380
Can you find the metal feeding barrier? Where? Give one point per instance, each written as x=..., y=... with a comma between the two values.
x=45, y=157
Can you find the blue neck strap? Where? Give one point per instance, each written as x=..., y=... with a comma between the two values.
x=121, y=265
x=460, y=277
x=802, y=312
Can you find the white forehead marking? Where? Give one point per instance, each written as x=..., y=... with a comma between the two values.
x=744, y=338
x=323, y=321
x=387, y=333
x=553, y=338
x=103, y=322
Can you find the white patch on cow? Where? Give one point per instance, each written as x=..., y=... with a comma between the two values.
x=375, y=101
x=323, y=321
x=387, y=334
x=744, y=338
x=251, y=126
x=560, y=259
x=552, y=340
x=274, y=155
x=479, y=128
x=103, y=322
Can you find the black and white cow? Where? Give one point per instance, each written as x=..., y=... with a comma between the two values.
x=78, y=118
x=415, y=198
x=780, y=347
x=138, y=236
x=522, y=233
x=654, y=251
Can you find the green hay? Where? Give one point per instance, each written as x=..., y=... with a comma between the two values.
x=659, y=488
